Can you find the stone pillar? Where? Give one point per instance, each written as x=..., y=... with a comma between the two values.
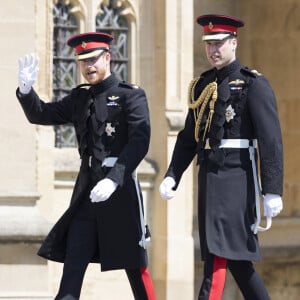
x=22, y=273
x=173, y=248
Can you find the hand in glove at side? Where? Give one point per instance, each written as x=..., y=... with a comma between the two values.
x=166, y=188
x=28, y=71
x=103, y=190
x=272, y=205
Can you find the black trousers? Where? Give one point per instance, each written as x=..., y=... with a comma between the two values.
x=247, y=279
x=82, y=244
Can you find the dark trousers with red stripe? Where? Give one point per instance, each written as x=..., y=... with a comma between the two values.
x=82, y=243
x=247, y=279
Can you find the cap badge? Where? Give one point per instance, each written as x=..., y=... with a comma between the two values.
x=109, y=129
x=210, y=25
x=229, y=113
x=83, y=45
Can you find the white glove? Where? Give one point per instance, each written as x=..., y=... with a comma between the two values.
x=103, y=190
x=272, y=205
x=166, y=188
x=28, y=71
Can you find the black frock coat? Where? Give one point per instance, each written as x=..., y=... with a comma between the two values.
x=226, y=197
x=124, y=107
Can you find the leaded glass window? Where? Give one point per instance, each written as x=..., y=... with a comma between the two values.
x=111, y=21
x=65, y=73
x=64, y=65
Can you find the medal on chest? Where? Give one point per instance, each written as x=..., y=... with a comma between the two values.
x=109, y=129
x=229, y=113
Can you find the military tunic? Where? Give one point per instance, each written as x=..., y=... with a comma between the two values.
x=245, y=108
x=111, y=119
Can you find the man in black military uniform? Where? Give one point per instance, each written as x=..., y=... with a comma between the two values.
x=104, y=222
x=232, y=112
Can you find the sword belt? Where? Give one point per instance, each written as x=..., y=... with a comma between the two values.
x=234, y=143
x=251, y=145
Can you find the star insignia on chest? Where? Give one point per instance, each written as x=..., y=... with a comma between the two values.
x=229, y=113
x=109, y=129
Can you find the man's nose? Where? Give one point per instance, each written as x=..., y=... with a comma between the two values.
x=213, y=48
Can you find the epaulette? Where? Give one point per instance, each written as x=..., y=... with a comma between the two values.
x=252, y=73
x=256, y=73
x=128, y=85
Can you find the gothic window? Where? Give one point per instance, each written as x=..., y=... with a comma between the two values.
x=111, y=20
x=65, y=73
x=64, y=65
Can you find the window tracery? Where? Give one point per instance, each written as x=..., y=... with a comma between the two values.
x=111, y=19
x=64, y=65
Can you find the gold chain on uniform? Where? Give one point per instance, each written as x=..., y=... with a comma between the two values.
x=198, y=106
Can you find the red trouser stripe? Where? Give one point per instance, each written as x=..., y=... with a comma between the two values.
x=218, y=278
x=146, y=278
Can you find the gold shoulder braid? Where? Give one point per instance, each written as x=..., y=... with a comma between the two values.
x=198, y=106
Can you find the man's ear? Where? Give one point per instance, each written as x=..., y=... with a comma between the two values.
x=108, y=56
x=234, y=42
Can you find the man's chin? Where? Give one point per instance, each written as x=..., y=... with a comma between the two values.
x=218, y=65
x=93, y=81
x=214, y=63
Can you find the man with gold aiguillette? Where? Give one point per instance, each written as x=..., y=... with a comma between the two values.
x=232, y=116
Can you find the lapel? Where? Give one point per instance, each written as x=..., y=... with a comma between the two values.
x=224, y=90
x=101, y=111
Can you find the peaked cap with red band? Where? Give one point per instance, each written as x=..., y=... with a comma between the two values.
x=219, y=27
x=90, y=44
